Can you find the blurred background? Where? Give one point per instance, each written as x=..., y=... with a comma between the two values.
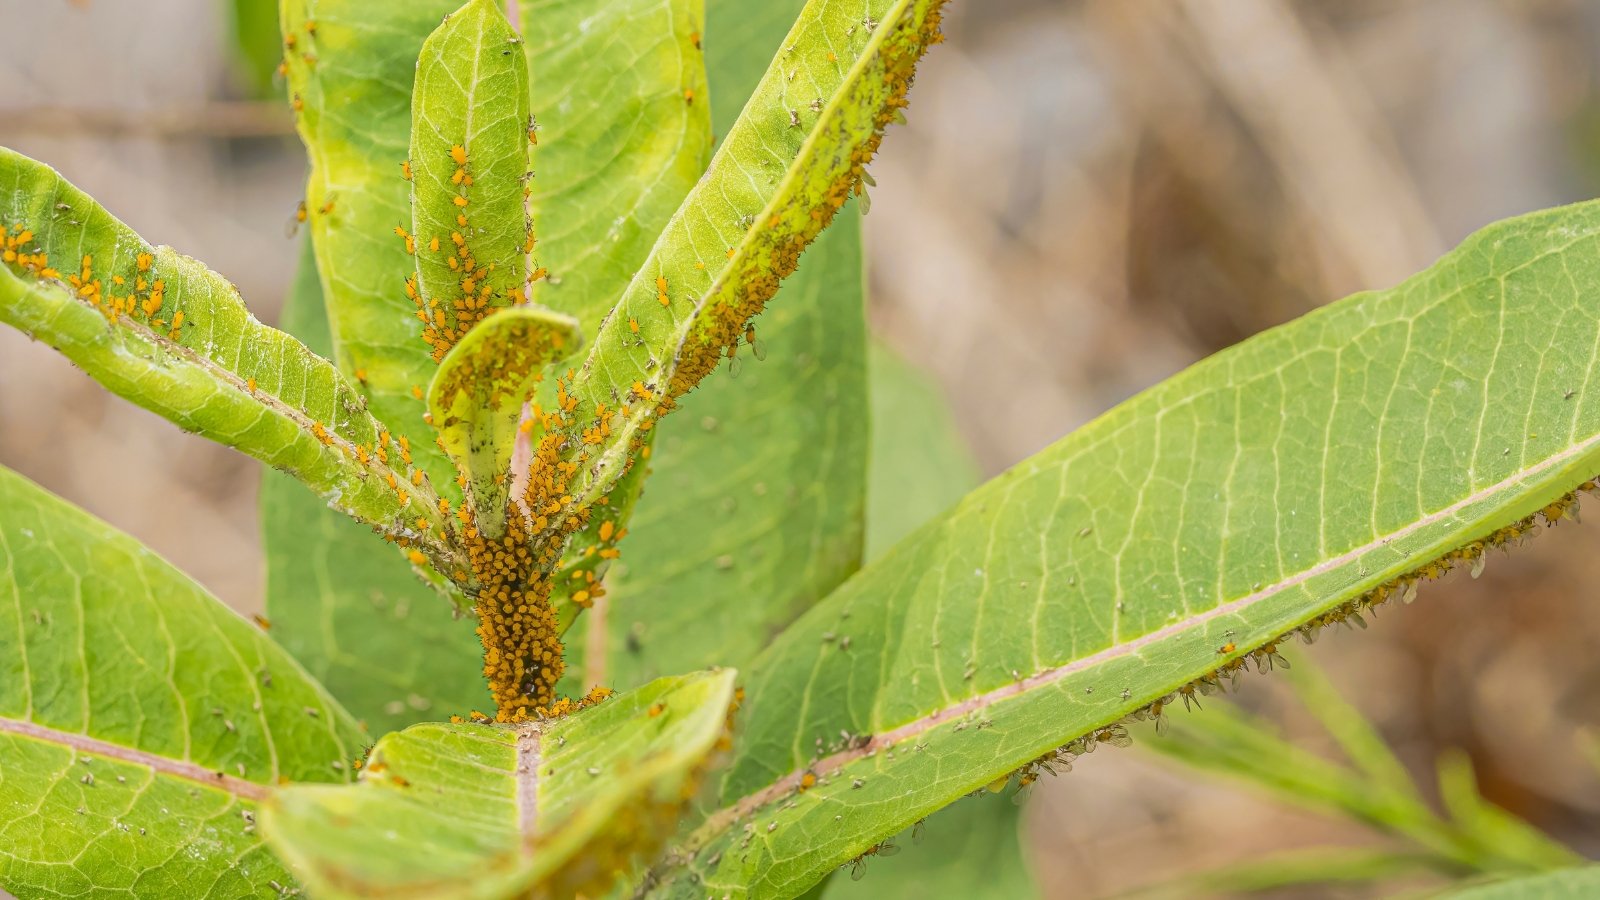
x=1090, y=195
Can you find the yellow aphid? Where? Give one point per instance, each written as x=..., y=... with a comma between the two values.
x=405, y=169
x=459, y=154
x=361, y=375
x=416, y=557
x=460, y=201
x=661, y=284
x=143, y=260
x=1227, y=648
x=434, y=244
x=688, y=95
x=607, y=529
x=633, y=325
x=657, y=709
x=250, y=385
x=262, y=622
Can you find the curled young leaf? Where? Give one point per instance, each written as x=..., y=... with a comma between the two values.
x=476, y=398
x=555, y=809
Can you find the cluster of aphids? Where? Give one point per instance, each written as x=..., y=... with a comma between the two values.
x=139, y=295
x=778, y=249
x=1266, y=656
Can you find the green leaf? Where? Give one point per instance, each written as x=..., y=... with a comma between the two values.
x=786, y=167
x=755, y=501
x=919, y=464
x=351, y=64
x=141, y=721
x=1294, y=481
x=476, y=399
x=623, y=142
x=555, y=808
x=1576, y=884
x=470, y=136
x=185, y=347
x=350, y=607
x=624, y=133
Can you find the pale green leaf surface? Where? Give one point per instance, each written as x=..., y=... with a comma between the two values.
x=140, y=720
x=1568, y=884
x=349, y=606
x=624, y=132
x=352, y=77
x=786, y=165
x=753, y=508
x=469, y=164
x=1229, y=505
x=216, y=370
x=495, y=811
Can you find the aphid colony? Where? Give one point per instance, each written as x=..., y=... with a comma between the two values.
x=139, y=295
x=445, y=322
x=772, y=254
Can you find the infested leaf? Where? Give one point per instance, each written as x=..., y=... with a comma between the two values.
x=553, y=809
x=469, y=174
x=477, y=396
x=755, y=502
x=165, y=332
x=1296, y=481
x=777, y=179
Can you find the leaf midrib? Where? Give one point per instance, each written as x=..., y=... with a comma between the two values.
x=160, y=765
x=788, y=784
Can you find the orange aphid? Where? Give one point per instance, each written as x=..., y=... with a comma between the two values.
x=143, y=261
x=405, y=169
x=459, y=154
x=1227, y=648
x=416, y=557
x=250, y=385
x=460, y=201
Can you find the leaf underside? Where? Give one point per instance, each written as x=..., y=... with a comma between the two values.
x=1292, y=482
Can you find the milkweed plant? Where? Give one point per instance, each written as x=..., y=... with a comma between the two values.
x=541, y=238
